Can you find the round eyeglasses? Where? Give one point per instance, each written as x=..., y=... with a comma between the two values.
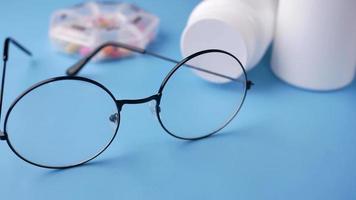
x=67, y=121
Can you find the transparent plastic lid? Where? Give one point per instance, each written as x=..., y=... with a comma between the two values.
x=80, y=29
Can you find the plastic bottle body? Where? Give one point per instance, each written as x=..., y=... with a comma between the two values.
x=315, y=43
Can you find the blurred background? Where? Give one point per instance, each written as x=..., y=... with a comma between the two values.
x=286, y=142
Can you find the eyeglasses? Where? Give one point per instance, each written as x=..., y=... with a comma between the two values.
x=69, y=120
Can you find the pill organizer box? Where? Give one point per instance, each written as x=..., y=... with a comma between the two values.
x=80, y=29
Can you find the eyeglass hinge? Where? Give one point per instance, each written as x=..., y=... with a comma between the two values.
x=2, y=136
x=249, y=84
x=6, y=49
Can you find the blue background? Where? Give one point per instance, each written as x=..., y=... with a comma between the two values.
x=286, y=143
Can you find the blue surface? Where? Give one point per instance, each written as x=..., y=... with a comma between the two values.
x=286, y=143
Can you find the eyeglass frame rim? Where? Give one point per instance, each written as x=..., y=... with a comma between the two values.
x=247, y=85
x=51, y=80
x=119, y=103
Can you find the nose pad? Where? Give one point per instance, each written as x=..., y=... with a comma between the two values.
x=114, y=118
x=152, y=105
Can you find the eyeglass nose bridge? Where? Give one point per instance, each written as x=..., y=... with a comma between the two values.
x=121, y=103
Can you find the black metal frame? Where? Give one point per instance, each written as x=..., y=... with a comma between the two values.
x=73, y=70
x=60, y=78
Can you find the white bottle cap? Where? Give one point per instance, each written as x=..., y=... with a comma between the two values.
x=210, y=28
x=243, y=28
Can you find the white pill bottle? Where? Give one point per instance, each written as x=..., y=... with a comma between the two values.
x=315, y=43
x=244, y=28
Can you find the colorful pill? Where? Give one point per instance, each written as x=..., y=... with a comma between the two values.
x=71, y=48
x=84, y=51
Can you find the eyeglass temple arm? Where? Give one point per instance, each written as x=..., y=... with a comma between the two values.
x=74, y=69
x=5, y=57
